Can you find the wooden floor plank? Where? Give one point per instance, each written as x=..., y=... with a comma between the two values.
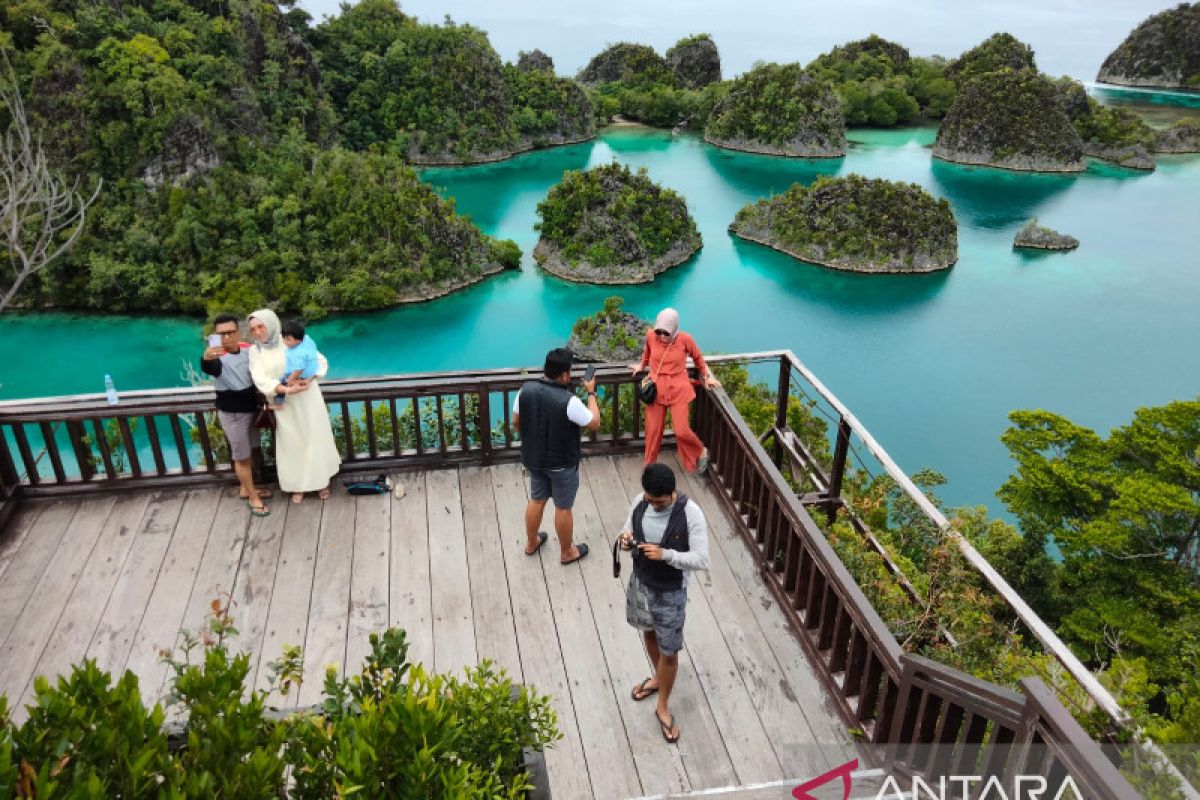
x=541, y=655
x=409, y=598
x=774, y=658
x=13, y=535
x=495, y=635
x=698, y=760
x=601, y=727
x=369, y=576
x=122, y=616
x=171, y=591
x=291, y=594
x=23, y=649
x=77, y=623
x=255, y=584
x=453, y=619
x=716, y=668
x=325, y=641
x=29, y=564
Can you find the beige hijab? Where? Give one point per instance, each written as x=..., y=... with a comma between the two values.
x=269, y=318
x=667, y=320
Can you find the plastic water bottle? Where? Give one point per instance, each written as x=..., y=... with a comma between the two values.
x=110, y=390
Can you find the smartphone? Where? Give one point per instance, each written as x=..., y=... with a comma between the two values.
x=589, y=373
x=214, y=340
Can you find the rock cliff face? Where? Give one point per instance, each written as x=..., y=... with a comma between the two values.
x=856, y=224
x=1164, y=51
x=780, y=110
x=1035, y=237
x=695, y=62
x=612, y=225
x=536, y=60
x=1107, y=133
x=1011, y=119
x=629, y=63
x=1182, y=137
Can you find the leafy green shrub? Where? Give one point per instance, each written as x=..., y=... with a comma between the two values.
x=880, y=84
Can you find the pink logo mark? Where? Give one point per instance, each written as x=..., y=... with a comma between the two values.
x=801, y=791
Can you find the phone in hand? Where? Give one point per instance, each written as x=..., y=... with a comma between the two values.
x=214, y=340
x=589, y=373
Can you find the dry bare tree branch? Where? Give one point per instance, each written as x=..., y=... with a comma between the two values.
x=41, y=215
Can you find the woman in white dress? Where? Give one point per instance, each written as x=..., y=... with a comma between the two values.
x=306, y=456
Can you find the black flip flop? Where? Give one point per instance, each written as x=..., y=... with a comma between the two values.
x=666, y=727
x=583, y=551
x=642, y=691
x=542, y=537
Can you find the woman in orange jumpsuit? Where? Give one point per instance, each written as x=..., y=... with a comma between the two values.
x=665, y=356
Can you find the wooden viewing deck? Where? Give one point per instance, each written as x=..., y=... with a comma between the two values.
x=115, y=578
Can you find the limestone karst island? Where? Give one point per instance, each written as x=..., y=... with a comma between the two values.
x=462, y=400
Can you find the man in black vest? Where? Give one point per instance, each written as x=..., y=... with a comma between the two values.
x=550, y=417
x=668, y=535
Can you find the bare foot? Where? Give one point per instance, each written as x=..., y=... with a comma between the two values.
x=298, y=497
x=324, y=493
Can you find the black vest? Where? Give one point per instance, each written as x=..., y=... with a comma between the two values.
x=549, y=440
x=659, y=574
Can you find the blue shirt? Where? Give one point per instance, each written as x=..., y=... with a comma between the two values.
x=302, y=357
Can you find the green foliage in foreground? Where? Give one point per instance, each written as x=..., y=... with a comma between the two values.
x=610, y=215
x=856, y=223
x=392, y=730
x=880, y=84
x=777, y=105
x=305, y=229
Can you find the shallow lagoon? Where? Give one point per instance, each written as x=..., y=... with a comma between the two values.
x=931, y=364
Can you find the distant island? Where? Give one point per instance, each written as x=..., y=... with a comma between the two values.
x=612, y=225
x=856, y=224
x=608, y=335
x=1162, y=52
x=778, y=109
x=1036, y=237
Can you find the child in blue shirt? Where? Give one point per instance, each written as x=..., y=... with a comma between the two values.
x=301, y=355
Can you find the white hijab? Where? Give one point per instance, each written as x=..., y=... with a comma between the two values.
x=667, y=320
x=269, y=318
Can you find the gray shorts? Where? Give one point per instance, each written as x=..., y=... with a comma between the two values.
x=239, y=432
x=662, y=612
x=561, y=484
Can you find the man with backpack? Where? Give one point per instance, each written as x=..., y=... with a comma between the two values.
x=668, y=536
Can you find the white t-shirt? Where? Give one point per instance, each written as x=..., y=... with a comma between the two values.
x=577, y=412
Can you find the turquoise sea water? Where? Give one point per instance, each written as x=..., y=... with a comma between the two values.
x=931, y=364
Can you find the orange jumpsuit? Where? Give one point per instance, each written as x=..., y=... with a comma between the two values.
x=675, y=392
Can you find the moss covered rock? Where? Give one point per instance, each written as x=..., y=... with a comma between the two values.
x=549, y=110
x=856, y=224
x=1182, y=137
x=612, y=225
x=779, y=109
x=999, y=51
x=608, y=335
x=695, y=62
x=1111, y=134
x=535, y=60
x=1011, y=119
x=1163, y=51
x=630, y=64
x=1036, y=237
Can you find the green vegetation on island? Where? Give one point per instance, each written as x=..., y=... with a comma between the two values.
x=608, y=335
x=1039, y=237
x=633, y=81
x=1109, y=133
x=879, y=83
x=611, y=225
x=1163, y=52
x=1013, y=119
x=857, y=224
x=249, y=159
x=999, y=51
x=779, y=109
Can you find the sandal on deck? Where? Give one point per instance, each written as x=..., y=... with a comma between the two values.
x=702, y=464
x=667, y=726
x=642, y=691
x=260, y=510
x=542, y=537
x=583, y=551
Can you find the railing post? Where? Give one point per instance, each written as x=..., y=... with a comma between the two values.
x=838, y=469
x=783, y=393
x=485, y=423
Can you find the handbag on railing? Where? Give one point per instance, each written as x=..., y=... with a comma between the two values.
x=648, y=390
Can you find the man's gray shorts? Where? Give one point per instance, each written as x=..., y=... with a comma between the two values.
x=561, y=484
x=239, y=432
x=662, y=612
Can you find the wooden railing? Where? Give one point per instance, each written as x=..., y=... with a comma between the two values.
x=71, y=445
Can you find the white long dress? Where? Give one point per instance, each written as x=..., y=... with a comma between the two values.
x=306, y=456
